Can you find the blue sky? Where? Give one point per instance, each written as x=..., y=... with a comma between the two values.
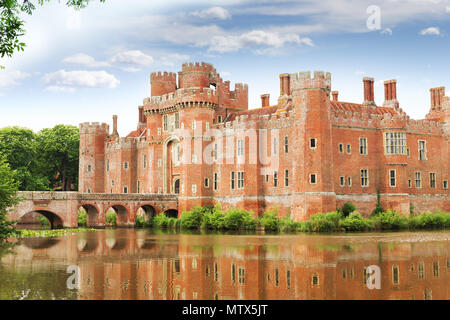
x=82, y=66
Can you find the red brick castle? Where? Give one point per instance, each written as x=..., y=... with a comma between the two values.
x=308, y=153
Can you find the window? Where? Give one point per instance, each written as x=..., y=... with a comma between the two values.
x=409, y=183
x=421, y=270
x=177, y=265
x=89, y=168
x=215, y=151
x=407, y=152
x=341, y=148
x=286, y=178
x=422, y=150
x=206, y=183
x=138, y=186
x=418, y=179
x=432, y=180
x=216, y=272
x=232, y=181
x=145, y=161
x=395, y=275
x=267, y=178
x=194, y=125
x=342, y=181
x=207, y=126
x=233, y=273
x=159, y=131
x=240, y=179
x=349, y=149
x=125, y=189
x=88, y=190
x=107, y=165
x=315, y=280
x=240, y=147
x=395, y=142
x=241, y=275
x=344, y=273
x=177, y=120
x=436, y=268
x=312, y=178
x=125, y=165
x=313, y=143
x=363, y=145
x=275, y=178
x=219, y=119
x=365, y=276
x=364, y=177
x=288, y=278
x=286, y=144
x=392, y=182
x=112, y=183
x=194, y=189
x=274, y=145
x=277, y=279
x=349, y=181
x=445, y=184
x=215, y=181
x=165, y=122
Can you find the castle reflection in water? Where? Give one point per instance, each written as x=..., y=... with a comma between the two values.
x=129, y=264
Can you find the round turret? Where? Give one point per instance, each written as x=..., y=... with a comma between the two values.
x=163, y=83
x=196, y=75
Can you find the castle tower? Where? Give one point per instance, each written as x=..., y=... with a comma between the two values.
x=92, y=157
x=162, y=83
x=196, y=75
x=314, y=173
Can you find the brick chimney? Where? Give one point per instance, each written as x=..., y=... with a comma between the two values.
x=265, y=100
x=390, y=94
x=115, y=133
x=368, y=91
x=285, y=84
x=436, y=95
x=335, y=95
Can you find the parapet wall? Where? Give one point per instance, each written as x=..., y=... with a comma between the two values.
x=303, y=80
x=94, y=128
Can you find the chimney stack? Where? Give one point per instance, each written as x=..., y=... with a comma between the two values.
x=141, y=114
x=335, y=95
x=437, y=95
x=285, y=84
x=368, y=91
x=265, y=100
x=390, y=90
x=115, y=133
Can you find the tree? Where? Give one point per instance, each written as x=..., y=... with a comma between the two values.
x=19, y=147
x=12, y=25
x=59, y=149
x=8, y=191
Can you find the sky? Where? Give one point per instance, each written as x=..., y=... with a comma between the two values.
x=85, y=66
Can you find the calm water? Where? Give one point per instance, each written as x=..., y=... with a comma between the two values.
x=140, y=264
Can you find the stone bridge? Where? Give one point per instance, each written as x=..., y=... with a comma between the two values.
x=61, y=208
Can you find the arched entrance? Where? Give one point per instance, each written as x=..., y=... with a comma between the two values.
x=147, y=212
x=171, y=213
x=121, y=215
x=54, y=220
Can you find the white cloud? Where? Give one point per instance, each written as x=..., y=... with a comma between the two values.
x=173, y=59
x=133, y=57
x=255, y=38
x=12, y=78
x=387, y=31
x=213, y=13
x=59, y=89
x=447, y=9
x=430, y=31
x=85, y=60
x=62, y=80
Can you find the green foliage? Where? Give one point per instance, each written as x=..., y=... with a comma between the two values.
x=430, y=220
x=389, y=220
x=239, y=219
x=82, y=218
x=270, y=221
x=161, y=221
x=43, y=221
x=378, y=209
x=47, y=233
x=215, y=220
x=111, y=218
x=354, y=222
x=348, y=208
x=194, y=219
x=325, y=222
x=8, y=192
x=12, y=25
x=287, y=224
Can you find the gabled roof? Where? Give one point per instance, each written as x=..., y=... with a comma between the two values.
x=355, y=107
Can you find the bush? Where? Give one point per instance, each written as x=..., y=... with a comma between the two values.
x=161, y=221
x=287, y=224
x=111, y=219
x=193, y=219
x=325, y=222
x=430, y=220
x=270, y=221
x=239, y=219
x=389, y=220
x=348, y=208
x=140, y=221
x=82, y=218
x=215, y=220
x=354, y=222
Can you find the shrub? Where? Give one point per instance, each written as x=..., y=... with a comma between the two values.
x=82, y=218
x=378, y=209
x=111, y=219
x=161, y=221
x=239, y=219
x=325, y=222
x=348, y=208
x=287, y=224
x=193, y=219
x=270, y=221
x=389, y=220
x=43, y=221
x=215, y=220
x=140, y=222
x=354, y=222
x=430, y=220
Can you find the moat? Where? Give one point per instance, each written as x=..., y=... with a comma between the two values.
x=158, y=265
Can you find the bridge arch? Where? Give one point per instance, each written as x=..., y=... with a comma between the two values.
x=92, y=213
x=171, y=213
x=122, y=213
x=148, y=211
x=56, y=222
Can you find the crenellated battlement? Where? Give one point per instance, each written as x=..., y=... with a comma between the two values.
x=198, y=67
x=94, y=128
x=303, y=80
x=163, y=76
x=122, y=143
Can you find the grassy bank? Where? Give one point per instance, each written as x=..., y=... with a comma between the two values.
x=344, y=220
x=47, y=233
